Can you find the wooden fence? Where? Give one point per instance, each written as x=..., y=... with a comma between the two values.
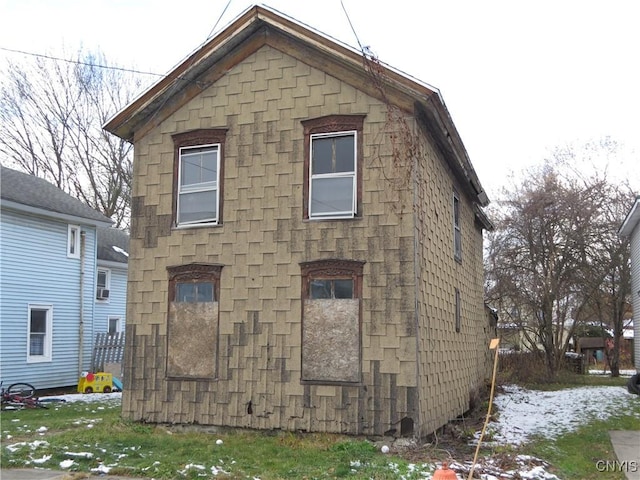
x=108, y=348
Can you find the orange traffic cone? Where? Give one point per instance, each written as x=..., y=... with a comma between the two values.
x=444, y=473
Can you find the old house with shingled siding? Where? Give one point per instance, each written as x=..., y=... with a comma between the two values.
x=306, y=242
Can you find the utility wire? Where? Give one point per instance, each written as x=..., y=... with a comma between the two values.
x=109, y=67
x=173, y=87
x=78, y=62
x=352, y=28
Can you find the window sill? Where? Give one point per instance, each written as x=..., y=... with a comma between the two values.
x=332, y=383
x=331, y=219
x=191, y=226
x=39, y=360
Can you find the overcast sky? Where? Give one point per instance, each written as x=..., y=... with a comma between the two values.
x=518, y=77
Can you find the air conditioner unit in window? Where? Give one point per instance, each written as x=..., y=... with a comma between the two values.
x=102, y=294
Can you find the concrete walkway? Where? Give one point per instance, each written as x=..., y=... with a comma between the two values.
x=626, y=444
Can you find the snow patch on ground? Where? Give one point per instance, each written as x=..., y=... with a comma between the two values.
x=524, y=413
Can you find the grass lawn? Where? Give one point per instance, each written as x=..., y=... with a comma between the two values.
x=93, y=434
x=81, y=437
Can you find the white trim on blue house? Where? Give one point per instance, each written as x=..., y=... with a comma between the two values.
x=46, y=344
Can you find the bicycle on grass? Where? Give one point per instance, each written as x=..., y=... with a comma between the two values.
x=19, y=395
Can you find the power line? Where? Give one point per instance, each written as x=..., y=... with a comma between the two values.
x=78, y=62
x=352, y=28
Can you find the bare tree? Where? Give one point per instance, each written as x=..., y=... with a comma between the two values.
x=51, y=117
x=607, y=282
x=555, y=255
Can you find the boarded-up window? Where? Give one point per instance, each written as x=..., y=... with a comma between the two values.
x=192, y=345
x=331, y=338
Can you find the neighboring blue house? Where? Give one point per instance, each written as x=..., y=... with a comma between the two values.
x=53, y=266
x=111, y=279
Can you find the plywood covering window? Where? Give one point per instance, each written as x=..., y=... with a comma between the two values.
x=333, y=165
x=198, y=177
x=331, y=333
x=192, y=335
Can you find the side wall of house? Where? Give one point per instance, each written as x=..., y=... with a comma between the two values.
x=36, y=271
x=116, y=305
x=635, y=296
x=260, y=245
x=455, y=360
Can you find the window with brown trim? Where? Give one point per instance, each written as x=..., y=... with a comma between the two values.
x=198, y=177
x=331, y=330
x=192, y=326
x=333, y=166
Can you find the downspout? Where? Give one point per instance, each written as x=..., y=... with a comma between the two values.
x=81, y=324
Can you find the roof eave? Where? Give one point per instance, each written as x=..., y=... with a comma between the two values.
x=631, y=221
x=41, y=212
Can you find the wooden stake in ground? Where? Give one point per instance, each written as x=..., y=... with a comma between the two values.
x=492, y=346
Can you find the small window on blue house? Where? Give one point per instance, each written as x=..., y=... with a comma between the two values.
x=103, y=284
x=39, y=333
x=73, y=241
x=114, y=325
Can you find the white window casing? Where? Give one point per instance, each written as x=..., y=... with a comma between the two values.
x=333, y=175
x=73, y=241
x=39, y=333
x=198, y=185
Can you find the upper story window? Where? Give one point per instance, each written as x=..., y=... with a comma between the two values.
x=73, y=241
x=198, y=177
x=103, y=284
x=332, y=187
x=333, y=161
x=457, y=232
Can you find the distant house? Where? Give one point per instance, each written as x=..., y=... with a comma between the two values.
x=306, y=243
x=50, y=283
x=631, y=229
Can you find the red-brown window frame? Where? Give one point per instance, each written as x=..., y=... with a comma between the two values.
x=194, y=272
x=333, y=124
x=332, y=269
x=195, y=138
